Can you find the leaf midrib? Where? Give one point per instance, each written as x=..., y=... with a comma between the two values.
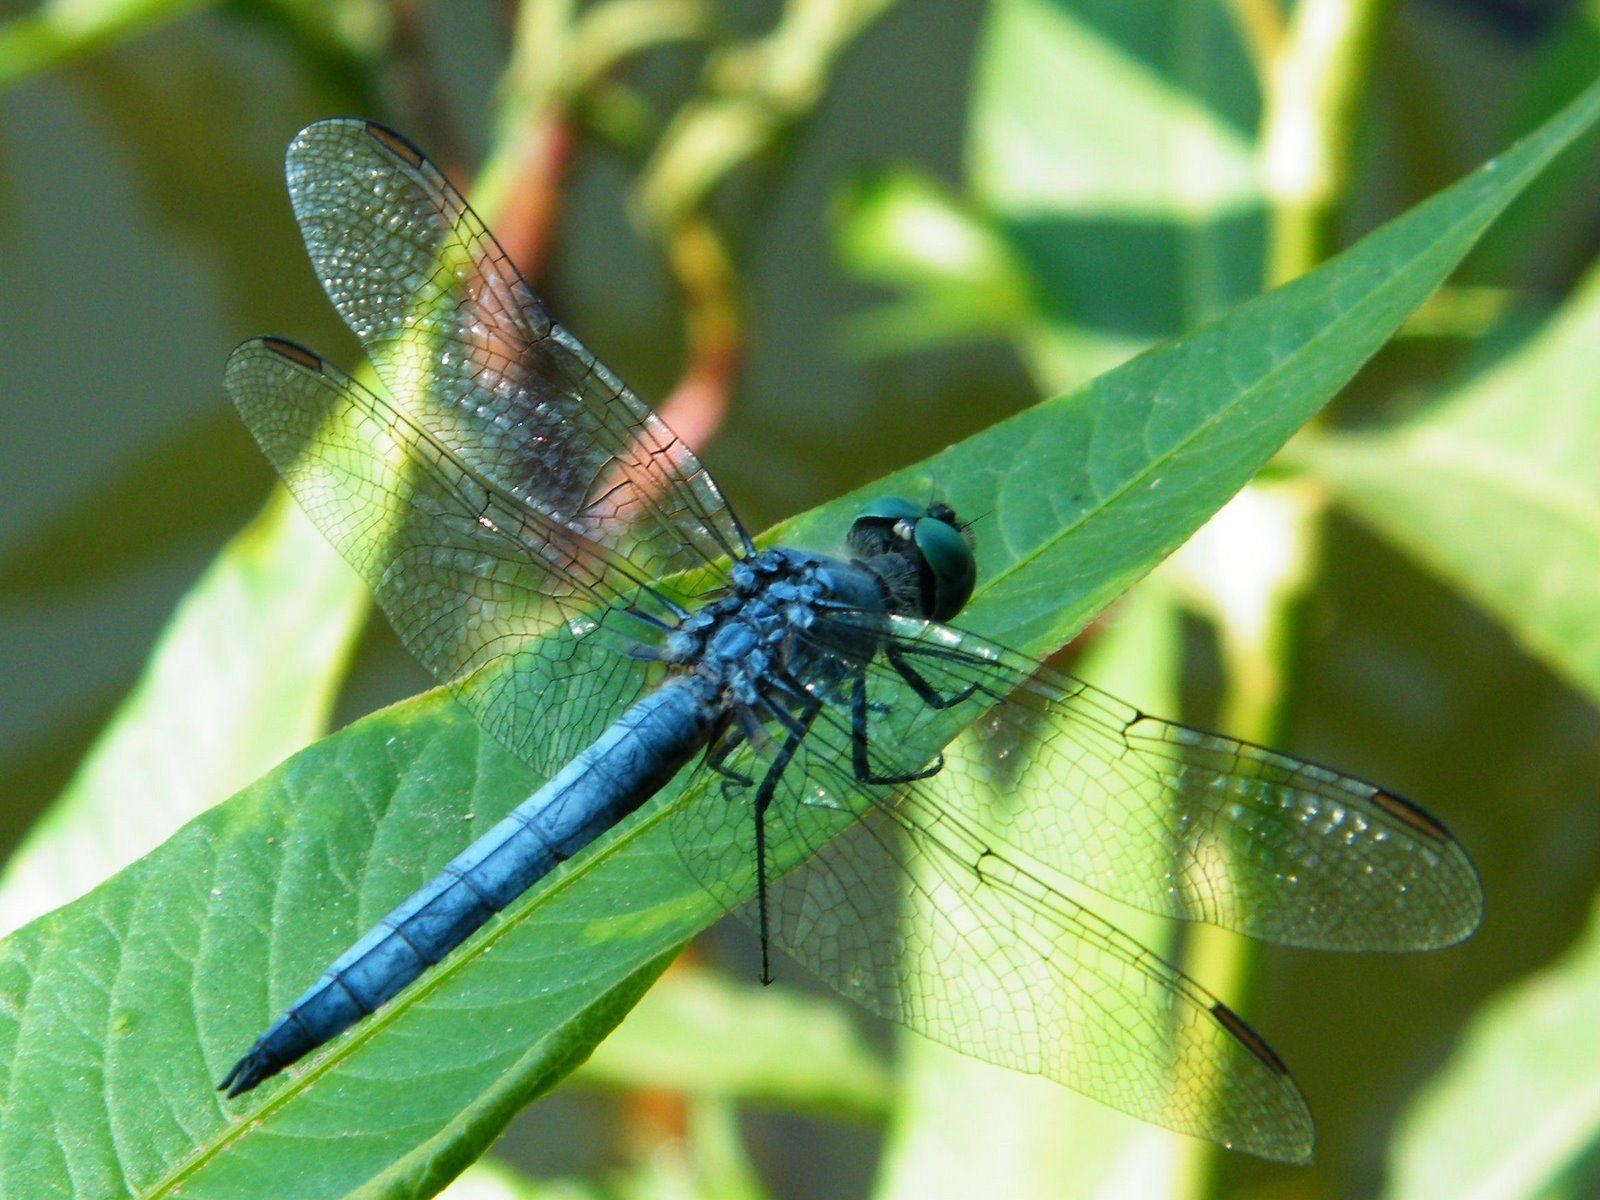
x=240, y=1124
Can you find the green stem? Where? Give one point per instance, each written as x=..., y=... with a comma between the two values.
x=1316, y=82
x=1316, y=85
x=1258, y=567
x=560, y=57
x=714, y=328
x=753, y=93
x=610, y=33
x=32, y=43
x=1260, y=23
x=533, y=97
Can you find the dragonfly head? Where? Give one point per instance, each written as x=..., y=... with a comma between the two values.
x=921, y=551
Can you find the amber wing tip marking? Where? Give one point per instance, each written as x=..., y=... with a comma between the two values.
x=292, y=351
x=395, y=144
x=1403, y=810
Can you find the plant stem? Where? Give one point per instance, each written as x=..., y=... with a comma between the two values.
x=753, y=93
x=715, y=331
x=34, y=42
x=1250, y=571
x=1260, y=22
x=1269, y=540
x=1316, y=85
x=558, y=57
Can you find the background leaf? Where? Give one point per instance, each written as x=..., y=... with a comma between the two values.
x=1111, y=162
x=1516, y=1113
x=213, y=710
x=700, y=1033
x=1495, y=486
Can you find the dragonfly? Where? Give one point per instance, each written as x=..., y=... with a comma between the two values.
x=917, y=814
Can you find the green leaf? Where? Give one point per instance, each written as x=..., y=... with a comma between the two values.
x=1551, y=224
x=213, y=710
x=1078, y=497
x=1519, y=1105
x=700, y=1033
x=1496, y=488
x=118, y=1012
x=901, y=228
x=165, y=964
x=1168, y=86
x=1114, y=146
x=1114, y=196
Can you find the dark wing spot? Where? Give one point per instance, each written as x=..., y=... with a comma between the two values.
x=1247, y=1037
x=299, y=355
x=395, y=144
x=1404, y=810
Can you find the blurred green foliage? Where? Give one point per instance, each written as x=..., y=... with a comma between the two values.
x=1131, y=171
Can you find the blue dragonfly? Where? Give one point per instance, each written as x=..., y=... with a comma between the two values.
x=905, y=807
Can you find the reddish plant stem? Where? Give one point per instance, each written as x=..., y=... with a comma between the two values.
x=528, y=217
x=697, y=405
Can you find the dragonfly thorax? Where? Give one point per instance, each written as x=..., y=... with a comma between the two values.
x=757, y=627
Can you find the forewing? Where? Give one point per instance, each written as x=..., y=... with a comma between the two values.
x=903, y=907
x=1167, y=818
x=491, y=597
x=468, y=351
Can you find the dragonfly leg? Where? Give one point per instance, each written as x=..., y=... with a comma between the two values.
x=794, y=724
x=717, y=759
x=899, y=659
x=858, y=743
x=769, y=785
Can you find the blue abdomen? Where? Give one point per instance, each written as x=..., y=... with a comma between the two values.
x=629, y=763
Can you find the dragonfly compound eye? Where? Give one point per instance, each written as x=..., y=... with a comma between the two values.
x=931, y=544
x=951, y=570
x=878, y=526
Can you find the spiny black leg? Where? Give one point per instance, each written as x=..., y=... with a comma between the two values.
x=717, y=759
x=761, y=886
x=858, y=743
x=795, y=723
x=909, y=650
x=769, y=785
x=925, y=691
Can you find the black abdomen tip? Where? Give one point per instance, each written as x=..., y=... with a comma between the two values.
x=247, y=1073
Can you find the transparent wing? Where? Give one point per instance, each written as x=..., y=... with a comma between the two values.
x=467, y=349
x=1163, y=817
x=492, y=597
x=895, y=900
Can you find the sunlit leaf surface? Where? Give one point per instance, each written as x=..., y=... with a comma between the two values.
x=1086, y=240
x=1517, y=1110
x=1494, y=486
